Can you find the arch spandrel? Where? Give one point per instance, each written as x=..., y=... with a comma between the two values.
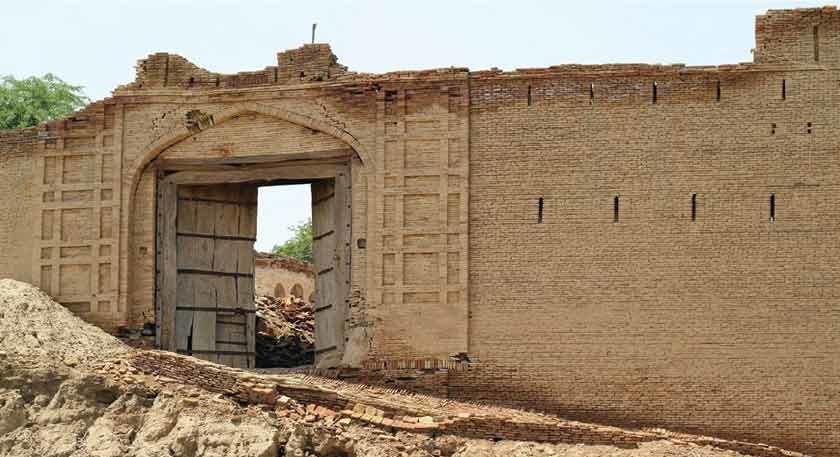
x=200, y=122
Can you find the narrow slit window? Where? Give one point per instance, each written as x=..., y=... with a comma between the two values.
x=615, y=209
x=653, y=88
x=816, y=43
x=784, y=89
x=773, y=128
x=772, y=207
x=591, y=92
x=529, y=95
x=540, y=210
x=693, y=207
x=809, y=128
x=717, y=91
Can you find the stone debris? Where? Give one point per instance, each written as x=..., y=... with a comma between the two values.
x=285, y=332
x=312, y=399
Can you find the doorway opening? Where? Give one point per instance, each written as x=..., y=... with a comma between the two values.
x=284, y=270
x=207, y=279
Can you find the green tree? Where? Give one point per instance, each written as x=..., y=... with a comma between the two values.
x=300, y=245
x=31, y=101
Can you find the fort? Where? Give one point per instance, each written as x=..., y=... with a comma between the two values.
x=631, y=244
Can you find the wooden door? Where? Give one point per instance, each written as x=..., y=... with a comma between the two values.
x=214, y=313
x=331, y=253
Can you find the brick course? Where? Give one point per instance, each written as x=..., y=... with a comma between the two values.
x=271, y=270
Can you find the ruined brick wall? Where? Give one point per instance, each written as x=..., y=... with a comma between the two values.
x=272, y=270
x=804, y=36
x=484, y=222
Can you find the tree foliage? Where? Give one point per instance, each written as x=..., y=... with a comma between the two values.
x=31, y=101
x=300, y=245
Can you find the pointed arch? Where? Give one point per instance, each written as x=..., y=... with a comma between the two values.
x=181, y=132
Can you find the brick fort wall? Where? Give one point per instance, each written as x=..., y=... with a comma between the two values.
x=640, y=245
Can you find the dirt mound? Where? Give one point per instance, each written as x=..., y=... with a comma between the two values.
x=50, y=413
x=285, y=332
x=34, y=327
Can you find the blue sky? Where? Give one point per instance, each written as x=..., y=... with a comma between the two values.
x=95, y=43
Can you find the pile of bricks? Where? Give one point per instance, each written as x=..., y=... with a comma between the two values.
x=327, y=401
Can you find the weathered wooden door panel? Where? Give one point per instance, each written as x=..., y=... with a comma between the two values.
x=331, y=254
x=206, y=277
x=323, y=253
x=214, y=235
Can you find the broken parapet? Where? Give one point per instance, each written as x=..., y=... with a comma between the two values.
x=804, y=36
x=310, y=62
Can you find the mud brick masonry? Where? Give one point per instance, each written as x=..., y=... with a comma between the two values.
x=283, y=277
x=642, y=245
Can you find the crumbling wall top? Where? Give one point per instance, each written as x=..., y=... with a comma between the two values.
x=803, y=35
x=284, y=262
x=310, y=62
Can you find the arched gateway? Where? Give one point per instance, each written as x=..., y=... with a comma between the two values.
x=206, y=226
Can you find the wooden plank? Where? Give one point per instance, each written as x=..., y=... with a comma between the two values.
x=168, y=264
x=195, y=253
x=184, y=317
x=226, y=256
x=250, y=338
x=250, y=193
x=265, y=174
x=204, y=324
x=248, y=227
x=343, y=237
x=245, y=261
x=325, y=333
x=205, y=217
x=226, y=297
x=207, y=200
x=183, y=329
x=227, y=219
x=158, y=259
x=323, y=227
x=245, y=290
x=195, y=191
x=226, y=294
x=212, y=273
x=215, y=266
x=224, y=164
x=186, y=215
x=248, y=221
x=220, y=312
x=232, y=337
x=218, y=237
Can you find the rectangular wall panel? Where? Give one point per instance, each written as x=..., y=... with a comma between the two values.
x=424, y=175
